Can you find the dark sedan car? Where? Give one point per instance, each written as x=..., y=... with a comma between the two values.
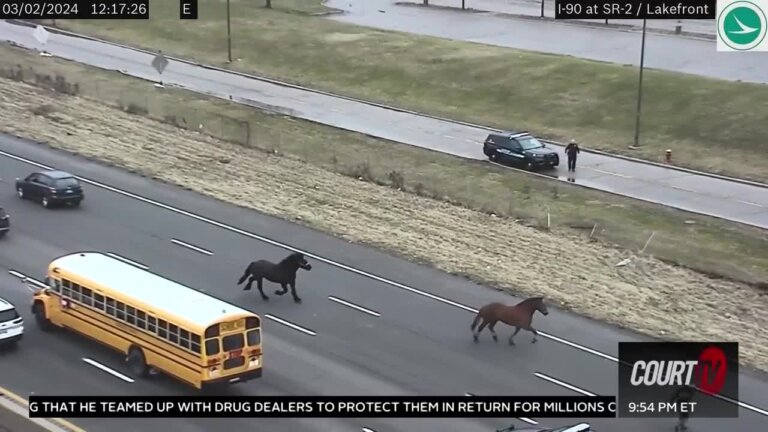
x=5, y=222
x=581, y=427
x=520, y=149
x=50, y=188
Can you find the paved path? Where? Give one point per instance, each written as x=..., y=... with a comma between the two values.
x=532, y=8
x=417, y=345
x=696, y=193
x=666, y=52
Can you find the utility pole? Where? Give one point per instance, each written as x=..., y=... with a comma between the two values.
x=640, y=89
x=229, y=35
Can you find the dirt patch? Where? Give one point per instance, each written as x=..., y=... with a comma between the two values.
x=647, y=295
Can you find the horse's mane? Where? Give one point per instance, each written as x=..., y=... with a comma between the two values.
x=531, y=300
x=292, y=257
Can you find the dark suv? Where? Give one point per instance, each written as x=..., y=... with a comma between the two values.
x=50, y=187
x=5, y=222
x=519, y=149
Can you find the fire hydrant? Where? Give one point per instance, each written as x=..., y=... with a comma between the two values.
x=669, y=155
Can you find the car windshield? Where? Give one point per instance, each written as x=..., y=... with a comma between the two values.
x=8, y=315
x=530, y=143
x=66, y=182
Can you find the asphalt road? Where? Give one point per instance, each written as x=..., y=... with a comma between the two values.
x=665, y=52
x=730, y=200
x=420, y=343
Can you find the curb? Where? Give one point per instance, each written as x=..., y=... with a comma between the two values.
x=611, y=26
x=16, y=403
x=388, y=107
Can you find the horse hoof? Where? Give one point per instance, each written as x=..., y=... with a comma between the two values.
x=474, y=338
x=279, y=292
x=511, y=343
x=533, y=341
x=265, y=298
x=298, y=300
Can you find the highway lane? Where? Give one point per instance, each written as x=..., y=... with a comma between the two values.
x=100, y=219
x=739, y=202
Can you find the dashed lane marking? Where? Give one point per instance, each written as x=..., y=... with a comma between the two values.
x=563, y=384
x=291, y=325
x=193, y=247
x=353, y=306
x=127, y=261
x=110, y=371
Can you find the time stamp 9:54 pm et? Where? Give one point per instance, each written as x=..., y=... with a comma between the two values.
x=635, y=9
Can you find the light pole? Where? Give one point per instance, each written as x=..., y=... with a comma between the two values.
x=229, y=35
x=640, y=89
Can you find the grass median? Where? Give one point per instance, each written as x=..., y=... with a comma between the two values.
x=526, y=234
x=700, y=120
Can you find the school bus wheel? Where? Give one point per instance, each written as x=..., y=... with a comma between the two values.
x=137, y=362
x=40, y=318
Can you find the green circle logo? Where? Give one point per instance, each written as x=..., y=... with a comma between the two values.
x=742, y=25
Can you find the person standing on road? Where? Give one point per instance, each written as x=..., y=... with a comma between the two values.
x=572, y=149
x=683, y=394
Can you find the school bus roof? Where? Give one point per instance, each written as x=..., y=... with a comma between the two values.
x=156, y=292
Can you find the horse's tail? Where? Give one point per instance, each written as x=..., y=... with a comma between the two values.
x=245, y=275
x=476, y=321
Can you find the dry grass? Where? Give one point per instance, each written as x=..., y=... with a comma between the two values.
x=559, y=97
x=648, y=295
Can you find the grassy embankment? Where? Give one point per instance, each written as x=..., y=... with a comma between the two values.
x=701, y=120
x=438, y=222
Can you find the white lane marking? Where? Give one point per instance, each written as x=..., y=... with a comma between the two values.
x=563, y=384
x=751, y=203
x=126, y=260
x=449, y=137
x=28, y=279
x=193, y=247
x=290, y=324
x=17, y=274
x=525, y=419
x=108, y=370
x=611, y=173
x=326, y=261
x=353, y=306
x=365, y=429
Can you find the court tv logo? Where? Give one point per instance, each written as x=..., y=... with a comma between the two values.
x=742, y=25
x=652, y=373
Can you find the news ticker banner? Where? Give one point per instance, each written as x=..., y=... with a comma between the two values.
x=666, y=379
x=86, y=9
x=325, y=406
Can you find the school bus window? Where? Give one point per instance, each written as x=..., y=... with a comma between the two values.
x=254, y=337
x=130, y=315
x=57, y=285
x=211, y=347
x=184, y=338
x=173, y=333
x=66, y=290
x=151, y=324
x=141, y=320
x=232, y=342
x=98, y=301
x=87, y=296
x=162, y=329
x=75, y=292
x=195, y=343
x=251, y=322
x=110, y=307
x=212, y=331
x=120, y=308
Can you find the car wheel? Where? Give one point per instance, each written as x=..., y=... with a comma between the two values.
x=529, y=166
x=137, y=362
x=76, y=203
x=20, y=193
x=45, y=202
x=3, y=233
x=494, y=157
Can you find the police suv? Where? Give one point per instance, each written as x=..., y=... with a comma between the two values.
x=11, y=323
x=520, y=149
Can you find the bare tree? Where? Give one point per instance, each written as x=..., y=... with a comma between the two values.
x=268, y=5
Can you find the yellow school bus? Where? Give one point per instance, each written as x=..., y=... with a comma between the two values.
x=160, y=325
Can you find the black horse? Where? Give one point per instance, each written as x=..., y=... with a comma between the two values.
x=283, y=273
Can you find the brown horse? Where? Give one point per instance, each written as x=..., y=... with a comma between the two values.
x=518, y=316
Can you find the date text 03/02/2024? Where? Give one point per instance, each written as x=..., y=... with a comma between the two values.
x=635, y=9
x=74, y=9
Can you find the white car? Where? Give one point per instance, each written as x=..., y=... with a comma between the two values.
x=11, y=323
